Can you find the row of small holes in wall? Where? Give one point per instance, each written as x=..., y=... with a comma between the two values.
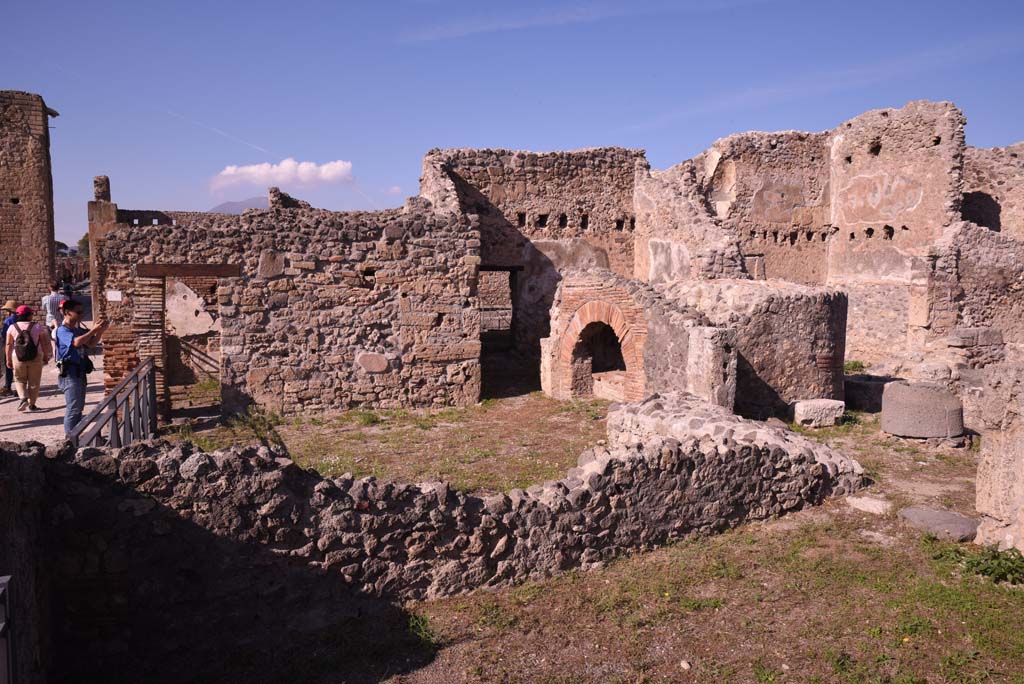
x=541, y=221
x=888, y=232
x=156, y=222
x=792, y=237
x=875, y=148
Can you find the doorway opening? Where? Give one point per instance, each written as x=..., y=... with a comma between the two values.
x=192, y=333
x=505, y=371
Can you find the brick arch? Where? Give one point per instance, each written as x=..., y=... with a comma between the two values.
x=629, y=327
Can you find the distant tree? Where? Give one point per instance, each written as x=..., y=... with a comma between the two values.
x=83, y=246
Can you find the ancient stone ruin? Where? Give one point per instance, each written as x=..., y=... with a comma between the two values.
x=26, y=197
x=706, y=300
x=745, y=277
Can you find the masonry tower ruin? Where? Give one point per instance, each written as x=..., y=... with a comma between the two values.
x=26, y=197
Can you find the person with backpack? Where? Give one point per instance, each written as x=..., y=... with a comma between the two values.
x=7, y=313
x=27, y=350
x=73, y=342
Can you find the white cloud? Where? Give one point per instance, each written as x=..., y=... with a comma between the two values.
x=287, y=172
x=394, y=190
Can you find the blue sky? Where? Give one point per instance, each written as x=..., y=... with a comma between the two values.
x=162, y=97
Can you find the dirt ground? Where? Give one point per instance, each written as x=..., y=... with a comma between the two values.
x=829, y=594
x=497, y=445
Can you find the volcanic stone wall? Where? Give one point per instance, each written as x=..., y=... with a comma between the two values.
x=994, y=406
x=791, y=339
x=525, y=196
x=994, y=189
x=331, y=310
x=170, y=564
x=977, y=281
x=26, y=198
x=23, y=538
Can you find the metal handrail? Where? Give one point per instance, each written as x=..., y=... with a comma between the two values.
x=130, y=410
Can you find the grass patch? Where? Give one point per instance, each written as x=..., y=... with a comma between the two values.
x=853, y=366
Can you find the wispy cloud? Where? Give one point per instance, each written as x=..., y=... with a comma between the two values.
x=394, y=190
x=214, y=129
x=287, y=172
x=556, y=15
x=818, y=83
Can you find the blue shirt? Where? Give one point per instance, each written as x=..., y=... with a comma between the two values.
x=66, y=351
x=8, y=322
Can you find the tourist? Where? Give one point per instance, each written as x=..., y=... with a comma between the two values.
x=73, y=341
x=8, y=320
x=51, y=306
x=27, y=350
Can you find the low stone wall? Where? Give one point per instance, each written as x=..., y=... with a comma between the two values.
x=677, y=415
x=158, y=550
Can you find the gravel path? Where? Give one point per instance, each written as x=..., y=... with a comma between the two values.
x=46, y=426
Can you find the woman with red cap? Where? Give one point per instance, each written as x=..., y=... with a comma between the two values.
x=27, y=350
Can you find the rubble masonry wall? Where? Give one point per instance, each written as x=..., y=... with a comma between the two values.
x=332, y=309
x=26, y=199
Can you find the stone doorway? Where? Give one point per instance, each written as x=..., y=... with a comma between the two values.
x=598, y=367
x=192, y=330
x=506, y=371
x=176, y=319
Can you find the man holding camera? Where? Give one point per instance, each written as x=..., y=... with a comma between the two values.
x=73, y=341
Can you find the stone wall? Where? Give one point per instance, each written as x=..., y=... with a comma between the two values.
x=896, y=178
x=26, y=198
x=994, y=189
x=22, y=556
x=159, y=551
x=526, y=196
x=664, y=345
x=540, y=213
x=326, y=310
x=772, y=189
x=976, y=280
x=494, y=289
x=677, y=238
x=790, y=339
x=994, y=406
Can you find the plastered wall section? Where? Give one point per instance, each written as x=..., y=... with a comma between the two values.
x=773, y=191
x=896, y=177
